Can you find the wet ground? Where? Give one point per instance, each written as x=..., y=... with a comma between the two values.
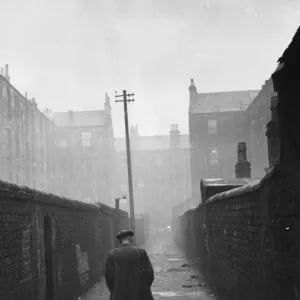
x=175, y=277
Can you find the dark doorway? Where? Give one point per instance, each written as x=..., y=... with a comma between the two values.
x=49, y=258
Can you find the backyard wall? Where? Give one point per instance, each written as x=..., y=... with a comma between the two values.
x=247, y=240
x=52, y=245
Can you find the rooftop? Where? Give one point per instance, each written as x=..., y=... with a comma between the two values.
x=79, y=118
x=222, y=101
x=146, y=143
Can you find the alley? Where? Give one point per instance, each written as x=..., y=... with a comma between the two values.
x=174, y=276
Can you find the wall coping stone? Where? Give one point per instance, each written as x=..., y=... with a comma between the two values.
x=250, y=187
x=46, y=198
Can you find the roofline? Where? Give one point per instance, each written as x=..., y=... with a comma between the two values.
x=20, y=94
x=221, y=92
x=213, y=112
x=150, y=136
x=78, y=111
x=218, y=112
x=79, y=126
x=150, y=150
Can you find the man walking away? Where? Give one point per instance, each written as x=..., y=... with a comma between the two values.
x=128, y=273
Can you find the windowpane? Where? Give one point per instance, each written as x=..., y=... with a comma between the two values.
x=63, y=144
x=213, y=155
x=86, y=139
x=86, y=135
x=86, y=143
x=212, y=126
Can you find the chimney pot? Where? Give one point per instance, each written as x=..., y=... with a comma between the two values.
x=241, y=147
x=7, y=72
x=242, y=167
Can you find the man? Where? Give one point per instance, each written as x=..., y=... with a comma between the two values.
x=128, y=273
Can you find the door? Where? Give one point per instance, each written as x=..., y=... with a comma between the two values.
x=48, y=234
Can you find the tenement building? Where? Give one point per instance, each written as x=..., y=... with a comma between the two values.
x=27, y=140
x=85, y=154
x=160, y=168
x=218, y=122
x=69, y=153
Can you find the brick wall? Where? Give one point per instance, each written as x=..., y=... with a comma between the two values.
x=245, y=240
x=40, y=233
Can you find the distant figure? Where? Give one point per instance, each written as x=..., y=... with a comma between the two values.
x=128, y=273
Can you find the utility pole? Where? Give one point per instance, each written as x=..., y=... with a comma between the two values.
x=126, y=99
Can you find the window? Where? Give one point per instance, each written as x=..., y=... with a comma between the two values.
x=86, y=139
x=213, y=155
x=63, y=144
x=212, y=126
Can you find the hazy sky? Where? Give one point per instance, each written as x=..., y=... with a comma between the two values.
x=68, y=53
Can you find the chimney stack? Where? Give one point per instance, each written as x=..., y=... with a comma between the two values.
x=174, y=137
x=242, y=167
x=134, y=131
x=2, y=71
x=193, y=92
x=272, y=133
x=107, y=106
x=32, y=101
x=7, y=73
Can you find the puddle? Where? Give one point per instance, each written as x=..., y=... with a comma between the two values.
x=165, y=294
x=175, y=270
x=176, y=259
x=196, y=294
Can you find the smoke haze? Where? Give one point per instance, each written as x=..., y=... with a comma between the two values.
x=67, y=54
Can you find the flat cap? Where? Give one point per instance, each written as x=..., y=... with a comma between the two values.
x=124, y=233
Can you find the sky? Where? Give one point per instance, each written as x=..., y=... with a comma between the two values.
x=68, y=53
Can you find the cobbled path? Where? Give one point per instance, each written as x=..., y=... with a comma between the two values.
x=175, y=277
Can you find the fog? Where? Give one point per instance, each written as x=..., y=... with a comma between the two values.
x=67, y=54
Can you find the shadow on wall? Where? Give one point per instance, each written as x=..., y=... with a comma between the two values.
x=54, y=247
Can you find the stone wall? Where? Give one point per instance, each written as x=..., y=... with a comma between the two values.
x=50, y=244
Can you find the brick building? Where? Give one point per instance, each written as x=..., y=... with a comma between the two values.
x=27, y=144
x=85, y=154
x=218, y=122
x=161, y=170
x=257, y=116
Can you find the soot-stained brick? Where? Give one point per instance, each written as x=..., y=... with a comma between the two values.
x=22, y=243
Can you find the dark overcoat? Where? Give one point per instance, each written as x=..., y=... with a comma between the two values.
x=129, y=274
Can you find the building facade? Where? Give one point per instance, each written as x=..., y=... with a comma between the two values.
x=257, y=116
x=85, y=154
x=218, y=122
x=161, y=171
x=27, y=140
x=70, y=154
